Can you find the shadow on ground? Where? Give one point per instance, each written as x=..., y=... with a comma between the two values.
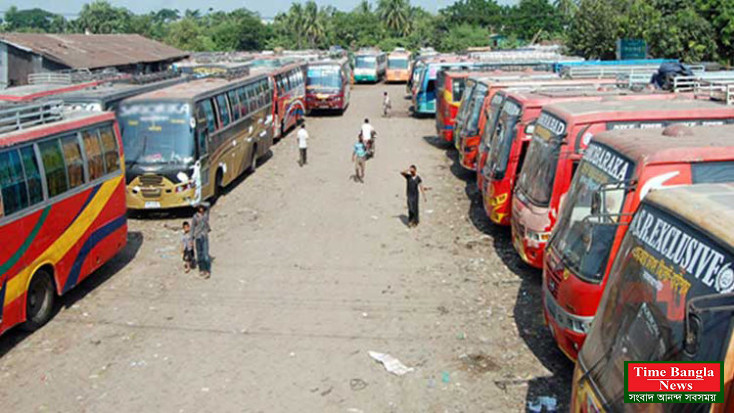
x=528, y=310
x=134, y=241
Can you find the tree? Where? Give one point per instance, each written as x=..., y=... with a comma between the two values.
x=720, y=14
x=33, y=20
x=532, y=19
x=486, y=13
x=395, y=15
x=593, y=31
x=684, y=35
x=100, y=17
x=464, y=36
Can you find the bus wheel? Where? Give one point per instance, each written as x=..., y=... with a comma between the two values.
x=39, y=301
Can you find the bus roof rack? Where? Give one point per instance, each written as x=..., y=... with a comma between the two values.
x=721, y=90
x=18, y=117
x=692, y=83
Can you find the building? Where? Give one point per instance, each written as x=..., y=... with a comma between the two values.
x=22, y=54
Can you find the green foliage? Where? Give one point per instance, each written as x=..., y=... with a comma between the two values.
x=101, y=17
x=464, y=36
x=38, y=20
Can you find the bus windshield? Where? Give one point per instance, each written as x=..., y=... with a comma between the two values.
x=641, y=317
x=323, y=78
x=582, y=240
x=539, y=170
x=492, y=116
x=157, y=133
x=457, y=88
x=499, y=151
x=365, y=62
x=465, y=101
x=475, y=110
x=397, y=63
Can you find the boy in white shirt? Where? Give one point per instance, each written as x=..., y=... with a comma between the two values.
x=302, y=144
x=367, y=133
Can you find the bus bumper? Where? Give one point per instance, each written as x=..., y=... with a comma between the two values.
x=164, y=195
x=564, y=326
x=365, y=78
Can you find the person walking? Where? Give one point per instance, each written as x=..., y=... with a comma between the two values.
x=200, y=229
x=414, y=186
x=359, y=157
x=302, y=144
x=368, y=134
x=386, y=105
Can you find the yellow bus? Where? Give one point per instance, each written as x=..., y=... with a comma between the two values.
x=185, y=143
x=398, y=66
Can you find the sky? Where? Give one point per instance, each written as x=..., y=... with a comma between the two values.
x=266, y=8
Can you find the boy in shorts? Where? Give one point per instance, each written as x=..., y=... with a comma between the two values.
x=187, y=245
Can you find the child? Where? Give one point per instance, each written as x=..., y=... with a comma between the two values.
x=187, y=245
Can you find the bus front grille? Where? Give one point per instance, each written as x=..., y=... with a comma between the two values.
x=150, y=193
x=151, y=180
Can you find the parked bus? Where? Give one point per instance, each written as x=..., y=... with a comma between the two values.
x=450, y=85
x=424, y=86
x=369, y=66
x=29, y=93
x=215, y=128
x=289, y=96
x=514, y=129
x=467, y=134
x=398, y=66
x=561, y=134
x=108, y=96
x=616, y=172
x=682, y=314
x=62, y=205
x=328, y=85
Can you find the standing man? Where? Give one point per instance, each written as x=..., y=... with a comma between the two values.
x=386, y=105
x=368, y=133
x=302, y=144
x=359, y=157
x=200, y=229
x=414, y=186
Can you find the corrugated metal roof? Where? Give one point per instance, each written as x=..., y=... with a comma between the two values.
x=93, y=51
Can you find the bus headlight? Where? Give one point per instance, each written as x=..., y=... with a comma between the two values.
x=580, y=326
x=538, y=236
x=184, y=187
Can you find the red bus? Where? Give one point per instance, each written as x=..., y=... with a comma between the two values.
x=62, y=205
x=27, y=93
x=635, y=322
x=468, y=132
x=561, y=134
x=328, y=85
x=616, y=172
x=289, y=97
x=511, y=136
x=450, y=85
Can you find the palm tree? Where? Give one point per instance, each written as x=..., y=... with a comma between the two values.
x=395, y=15
x=364, y=7
x=295, y=22
x=313, y=24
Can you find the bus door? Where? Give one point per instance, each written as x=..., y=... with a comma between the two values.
x=204, y=121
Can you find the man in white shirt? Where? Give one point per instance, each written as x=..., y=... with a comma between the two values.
x=302, y=144
x=367, y=133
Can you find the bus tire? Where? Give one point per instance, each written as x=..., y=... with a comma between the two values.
x=40, y=299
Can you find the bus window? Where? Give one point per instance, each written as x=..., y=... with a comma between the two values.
x=14, y=194
x=93, y=150
x=223, y=111
x=73, y=160
x=109, y=147
x=53, y=166
x=251, y=97
x=234, y=104
x=32, y=175
x=712, y=172
x=208, y=108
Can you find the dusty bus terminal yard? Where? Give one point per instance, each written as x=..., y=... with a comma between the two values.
x=311, y=272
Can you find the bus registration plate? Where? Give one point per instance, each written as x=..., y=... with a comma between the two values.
x=152, y=204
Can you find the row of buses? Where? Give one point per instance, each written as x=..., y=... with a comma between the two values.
x=623, y=198
x=74, y=160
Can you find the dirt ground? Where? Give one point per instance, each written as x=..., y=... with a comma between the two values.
x=311, y=271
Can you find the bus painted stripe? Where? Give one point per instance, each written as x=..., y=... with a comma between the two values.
x=66, y=241
x=92, y=193
x=27, y=243
x=2, y=300
x=91, y=242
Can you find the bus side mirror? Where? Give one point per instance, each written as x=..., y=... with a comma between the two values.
x=596, y=203
x=708, y=322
